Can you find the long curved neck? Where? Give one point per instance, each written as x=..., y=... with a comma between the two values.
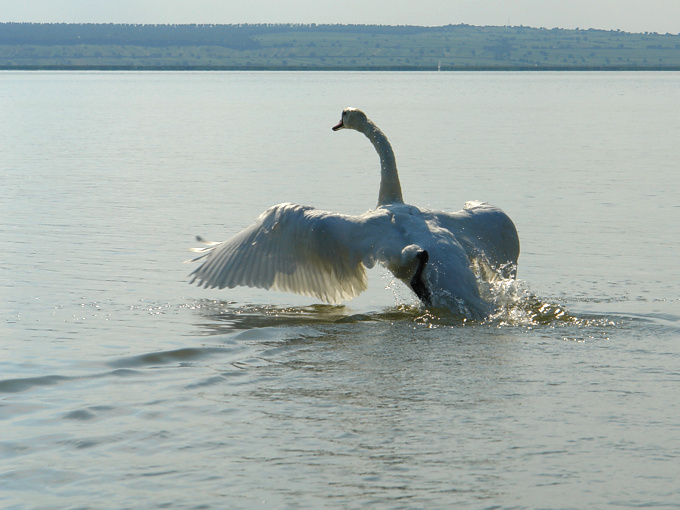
x=390, y=188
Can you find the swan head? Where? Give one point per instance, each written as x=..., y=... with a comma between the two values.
x=352, y=118
x=405, y=265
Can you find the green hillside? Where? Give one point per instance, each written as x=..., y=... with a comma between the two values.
x=328, y=47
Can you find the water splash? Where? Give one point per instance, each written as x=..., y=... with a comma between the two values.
x=513, y=304
x=516, y=304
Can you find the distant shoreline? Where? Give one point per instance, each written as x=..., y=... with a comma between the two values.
x=287, y=47
x=340, y=69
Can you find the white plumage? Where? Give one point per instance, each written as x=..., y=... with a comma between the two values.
x=300, y=249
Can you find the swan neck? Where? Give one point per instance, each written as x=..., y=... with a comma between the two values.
x=390, y=188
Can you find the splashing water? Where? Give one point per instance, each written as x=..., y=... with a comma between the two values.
x=515, y=304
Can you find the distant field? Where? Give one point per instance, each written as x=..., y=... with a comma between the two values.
x=328, y=47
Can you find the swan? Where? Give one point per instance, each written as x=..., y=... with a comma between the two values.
x=441, y=256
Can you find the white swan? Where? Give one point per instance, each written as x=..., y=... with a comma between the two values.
x=303, y=250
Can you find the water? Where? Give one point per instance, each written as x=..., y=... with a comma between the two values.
x=123, y=387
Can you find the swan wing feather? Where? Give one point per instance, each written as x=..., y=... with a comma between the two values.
x=289, y=248
x=486, y=232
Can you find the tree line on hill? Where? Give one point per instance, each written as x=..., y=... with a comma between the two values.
x=312, y=46
x=238, y=36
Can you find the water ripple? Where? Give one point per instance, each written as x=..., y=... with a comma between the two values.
x=26, y=383
x=181, y=356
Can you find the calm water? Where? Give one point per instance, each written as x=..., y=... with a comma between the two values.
x=121, y=386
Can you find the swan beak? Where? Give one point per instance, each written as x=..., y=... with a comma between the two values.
x=338, y=126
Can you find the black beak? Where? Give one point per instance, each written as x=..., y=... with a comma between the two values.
x=338, y=126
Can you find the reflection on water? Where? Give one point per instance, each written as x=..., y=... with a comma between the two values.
x=515, y=306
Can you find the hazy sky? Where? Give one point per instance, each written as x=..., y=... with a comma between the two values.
x=629, y=15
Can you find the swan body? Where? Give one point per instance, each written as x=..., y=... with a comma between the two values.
x=303, y=250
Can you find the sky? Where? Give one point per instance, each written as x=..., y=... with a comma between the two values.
x=662, y=16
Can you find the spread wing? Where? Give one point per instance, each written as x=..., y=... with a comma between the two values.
x=291, y=248
x=486, y=233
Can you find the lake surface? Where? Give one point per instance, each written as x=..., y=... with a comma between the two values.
x=121, y=386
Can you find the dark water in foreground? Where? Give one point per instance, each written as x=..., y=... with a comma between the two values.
x=123, y=387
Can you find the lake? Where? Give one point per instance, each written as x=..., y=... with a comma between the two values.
x=122, y=386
